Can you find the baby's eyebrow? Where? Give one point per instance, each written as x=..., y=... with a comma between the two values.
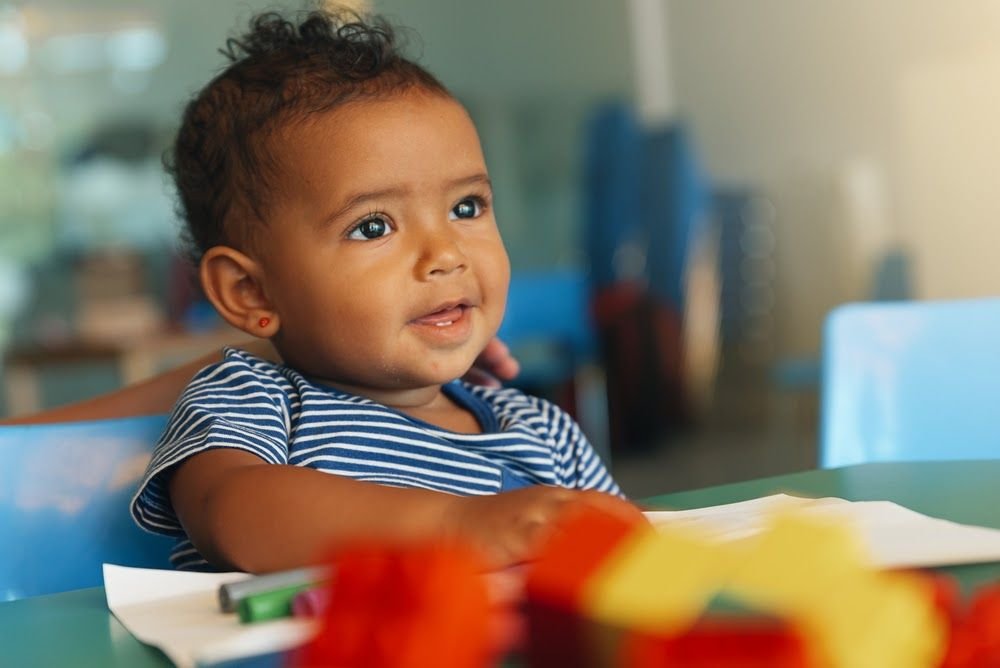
x=361, y=198
x=475, y=179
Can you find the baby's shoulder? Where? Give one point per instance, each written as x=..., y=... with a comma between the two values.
x=241, y=373
x=239, y=362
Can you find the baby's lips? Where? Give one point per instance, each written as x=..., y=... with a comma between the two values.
x=444, y=315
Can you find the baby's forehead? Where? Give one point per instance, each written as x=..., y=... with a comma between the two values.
x=377, y=125
x=414, y=142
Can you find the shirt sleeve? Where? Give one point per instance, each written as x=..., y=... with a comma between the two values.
x=236, y=404
x=580, y=465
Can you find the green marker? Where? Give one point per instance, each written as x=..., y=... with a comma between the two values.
x=231, y=593
x=272, y=604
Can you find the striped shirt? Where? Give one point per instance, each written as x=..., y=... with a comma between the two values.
x=276, y=413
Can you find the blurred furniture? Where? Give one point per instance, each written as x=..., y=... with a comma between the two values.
x=64, y=497
x=911, y=381
x=76, y=628
x=647, y=202
x=135, y=359
x=745, y=221
x=547, y=321
x=547, y=327
x=646, y=228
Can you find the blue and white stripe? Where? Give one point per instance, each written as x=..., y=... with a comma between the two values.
x=274, y=412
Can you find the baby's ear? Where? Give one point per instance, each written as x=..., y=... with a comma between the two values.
x=232, y=282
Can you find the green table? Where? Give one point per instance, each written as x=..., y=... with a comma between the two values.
x=70, y=629
x=76, y=629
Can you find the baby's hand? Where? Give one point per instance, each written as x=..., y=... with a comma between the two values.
x=510, y=527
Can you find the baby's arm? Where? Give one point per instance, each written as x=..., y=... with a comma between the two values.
x=244, y=513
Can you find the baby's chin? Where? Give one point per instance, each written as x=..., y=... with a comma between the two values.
x=440, y=369
x=441, y=377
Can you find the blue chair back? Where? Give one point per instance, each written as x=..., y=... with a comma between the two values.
x=64, y=497
x=547, y=324
x=911, y=381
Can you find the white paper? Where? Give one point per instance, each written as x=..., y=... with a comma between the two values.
x=895, y=537
x=179, y=613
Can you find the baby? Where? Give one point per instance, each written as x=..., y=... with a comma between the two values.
x=338, y=204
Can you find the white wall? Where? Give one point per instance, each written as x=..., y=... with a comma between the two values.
x=864, y=122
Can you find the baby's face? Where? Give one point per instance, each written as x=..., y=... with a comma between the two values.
x=382, y=256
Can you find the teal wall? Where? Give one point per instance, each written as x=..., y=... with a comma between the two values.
x=528, y=71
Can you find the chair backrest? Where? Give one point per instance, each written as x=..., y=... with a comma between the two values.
x=547, y=323
x=64, y=496
x=911, y=381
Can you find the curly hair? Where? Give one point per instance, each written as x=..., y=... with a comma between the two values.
x=223, y=161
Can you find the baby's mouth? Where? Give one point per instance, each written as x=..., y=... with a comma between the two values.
x=443, y=317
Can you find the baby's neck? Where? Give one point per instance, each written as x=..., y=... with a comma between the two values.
x=429, y=404
x=402, y=400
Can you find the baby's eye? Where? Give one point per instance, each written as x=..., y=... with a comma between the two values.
x=370, y=228
x=470, y=207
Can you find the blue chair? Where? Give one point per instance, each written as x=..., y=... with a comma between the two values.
x=547, y=325
x=64, y=496
x=911, y=381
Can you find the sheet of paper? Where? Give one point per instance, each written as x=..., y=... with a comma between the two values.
x=895, y=536
x=179, y=613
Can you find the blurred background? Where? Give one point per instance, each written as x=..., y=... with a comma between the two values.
x=686, y=188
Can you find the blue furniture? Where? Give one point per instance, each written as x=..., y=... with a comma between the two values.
x=613, y=213
x=905, y=381
x=547, y=325
x=64, y=495
x=646, y=202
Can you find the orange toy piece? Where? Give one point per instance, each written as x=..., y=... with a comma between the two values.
x=712, y=643
x=975, y=639
x=584, y=537
x=405, y=607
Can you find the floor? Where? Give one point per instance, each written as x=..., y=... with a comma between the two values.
x=751, y=431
